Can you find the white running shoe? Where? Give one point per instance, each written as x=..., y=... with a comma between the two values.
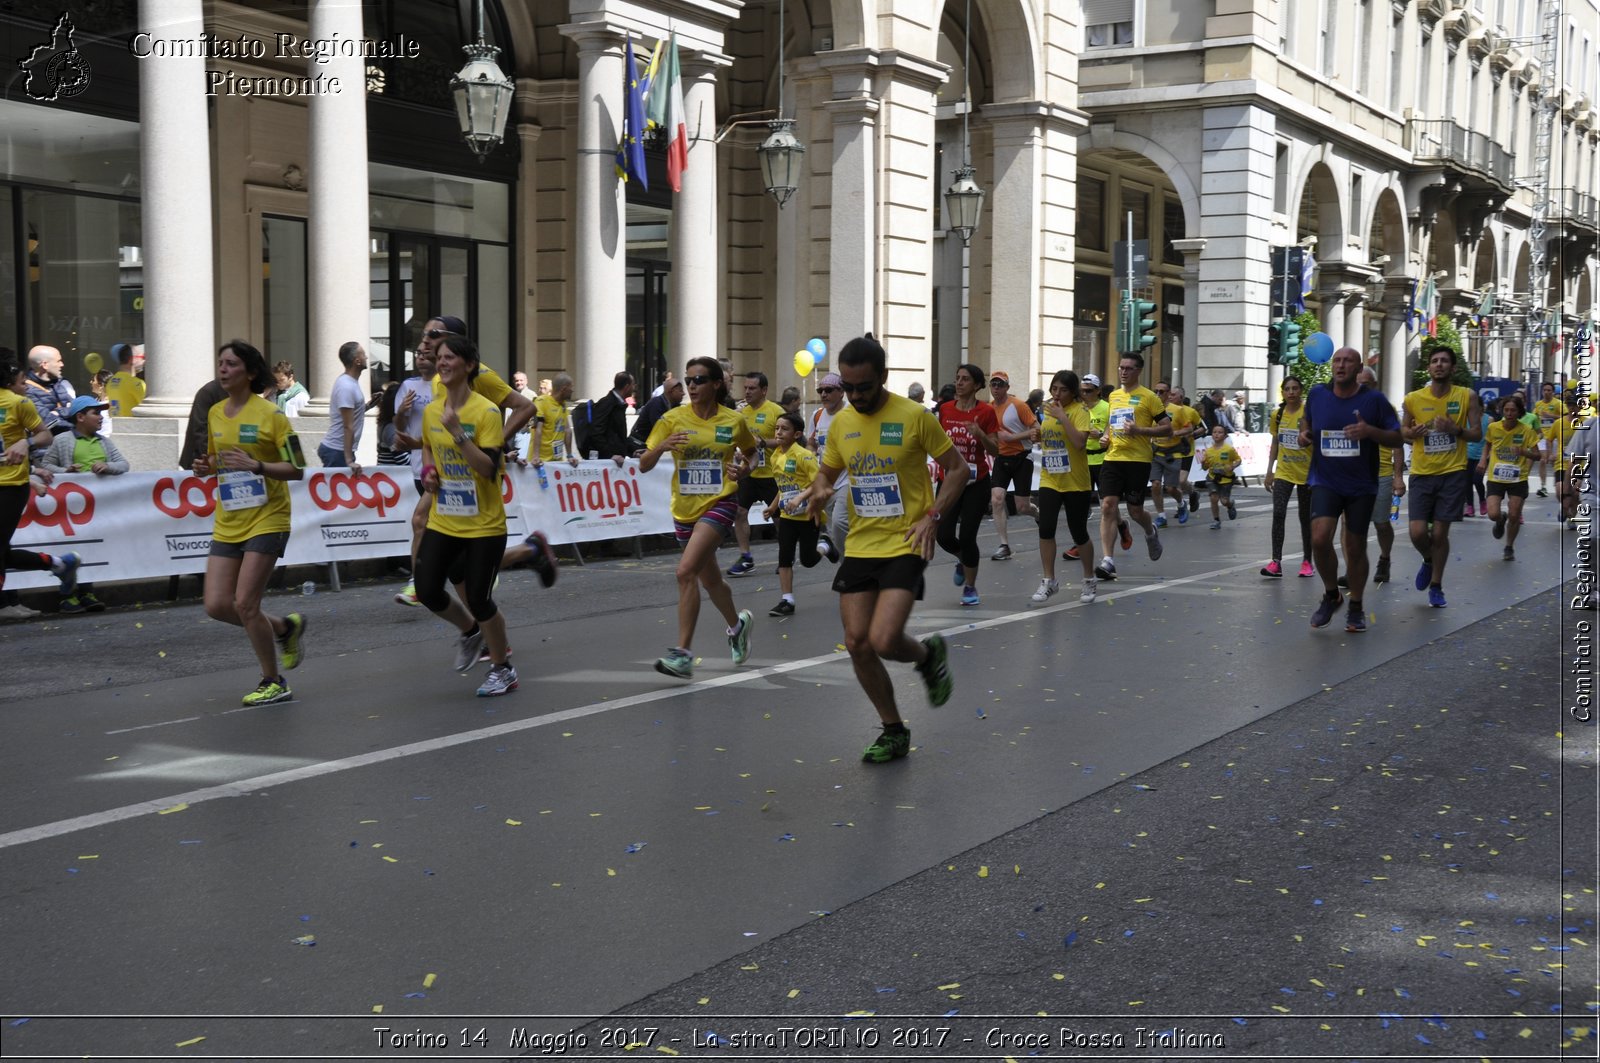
x=1047, y=587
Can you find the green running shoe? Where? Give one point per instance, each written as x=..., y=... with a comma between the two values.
x=890, y=745
x=270, y=692
x=935, y=671
x=677, y=663
x=739, y=641
x=289, y=644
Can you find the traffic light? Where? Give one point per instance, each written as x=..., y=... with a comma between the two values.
x=1275, y=343
x=1127, y=336
x=1145, y=336
x=1291, y=341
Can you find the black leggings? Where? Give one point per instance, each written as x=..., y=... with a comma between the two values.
x=802, y=533
x=1477, y=483
x=1074, y=503
x=13, y=503
x=437, y=555
x=958, y=532
x=1281, y=490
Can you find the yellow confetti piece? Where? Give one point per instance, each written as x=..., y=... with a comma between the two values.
x=90, y=856
x=596, y=815
x=1099, y=885
x=1143, y=900
x=1134, y=1003
x=390, y=860
x=429, y=979
x=108, y=759
x=983, y=872
x=190, y=1041
x=1280, y=1007
x=1058, y=976
x=377, y=845
x=1324, y=1026
x=611, y=872
x=703, y=1001
x=857, y=1014
x=751, y=967
x=664, y=1050
x=377, y=1009
x=1524, y=1033
x=1318, y=983
x=161, y=653
x=513, y=822
x=793, y=993
x=702, y=808
x=366, y=822
x=952, y=985
x=566, y=734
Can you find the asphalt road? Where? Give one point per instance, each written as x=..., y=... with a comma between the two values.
x=1176, y=809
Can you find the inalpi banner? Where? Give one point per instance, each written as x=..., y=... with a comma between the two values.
x=143, y=525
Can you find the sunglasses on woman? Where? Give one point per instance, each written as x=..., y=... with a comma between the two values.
x=435, y=333
x=696, y=381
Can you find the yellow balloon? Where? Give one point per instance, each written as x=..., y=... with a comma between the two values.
x=804, y=362
x=93, y=362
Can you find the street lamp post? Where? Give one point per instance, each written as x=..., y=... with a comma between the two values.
x=483, y=95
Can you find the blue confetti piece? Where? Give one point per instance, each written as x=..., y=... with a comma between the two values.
x=1405, y=994
x=305, y=919
x=1480, y=1035
x=1127, y=933
x=952, y=1011
x=1069, y=940
x=1286, y=990
x=635, y=847
x=421, y=797
x=786, y=838
x=19, y=1022
x=1142, y=786
x=1317, y=903
x=416, y=996
x=714, y=812
x=72, y=871
x=887, y=989
x=981, y=715
x=1241, y=1022
x=1492, y=896
x=1424, y=1039
x=189, y=841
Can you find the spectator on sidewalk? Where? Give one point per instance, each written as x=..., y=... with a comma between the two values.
x=346, y=405
x=608, y=422
x=196, y=437
x=48, y=390
x=292, y=395
x=916, y=393
x=84, y=450
x=670, y=395
x=125, y=390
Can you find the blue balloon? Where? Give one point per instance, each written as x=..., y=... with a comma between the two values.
x=818, y=349
x=1318, y=348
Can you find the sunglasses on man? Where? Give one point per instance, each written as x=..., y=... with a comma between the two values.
x=435, y=333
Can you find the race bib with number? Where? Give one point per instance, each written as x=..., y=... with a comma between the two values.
x=877, y=495
x=241, y=490
x=1057, y=462
x=787, y=500
x=1335, y=444
x=1546, y=422
x=1289, y=438
x=457, y=498
x=1122, y=419
x=558, y=450
x=1506, y=474
x=702, y=476
x=1438, y=443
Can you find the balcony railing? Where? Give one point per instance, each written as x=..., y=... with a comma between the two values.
x=1577, y=207
x=1441, y=140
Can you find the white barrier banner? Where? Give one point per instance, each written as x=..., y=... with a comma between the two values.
x=1253, y=448
x=595, y=500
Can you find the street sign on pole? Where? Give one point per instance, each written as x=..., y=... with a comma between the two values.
x=1140, y=271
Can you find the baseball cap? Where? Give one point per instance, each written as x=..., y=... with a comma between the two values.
x=831, y=380
x=1090, y=380
x=85, y=402
x=1002, y=376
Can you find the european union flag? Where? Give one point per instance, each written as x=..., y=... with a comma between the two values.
x=630, y=150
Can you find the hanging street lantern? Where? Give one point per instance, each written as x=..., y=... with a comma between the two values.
x=781, y=159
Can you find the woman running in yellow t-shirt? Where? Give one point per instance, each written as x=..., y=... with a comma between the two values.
x=1510, y=447
x=253, y=453
x=711, y=447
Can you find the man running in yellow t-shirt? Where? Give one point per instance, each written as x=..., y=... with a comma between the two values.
x=1439, y=421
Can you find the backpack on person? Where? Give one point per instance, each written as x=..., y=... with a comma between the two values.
x=582, y=424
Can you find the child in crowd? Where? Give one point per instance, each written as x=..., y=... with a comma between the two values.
x=794, y=467
x=1220, y=461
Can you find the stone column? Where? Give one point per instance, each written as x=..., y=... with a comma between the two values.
x=1013, y=217
x=906, y=85
x=599, y=324
x=693, y=322
x=175, y=174
x=1191, y=251
x=525, y=257
x=337, y=217
x=1332, y=316
x=852, y=253
x=1355, y=322
x=1392, y=372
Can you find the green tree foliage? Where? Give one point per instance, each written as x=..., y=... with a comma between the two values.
x=1307, y=372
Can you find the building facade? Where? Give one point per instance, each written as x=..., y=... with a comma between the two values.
x=187, y=174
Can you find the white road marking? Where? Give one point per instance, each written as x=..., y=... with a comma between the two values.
x=244, y=787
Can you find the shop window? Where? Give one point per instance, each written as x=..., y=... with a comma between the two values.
x=1091, y=213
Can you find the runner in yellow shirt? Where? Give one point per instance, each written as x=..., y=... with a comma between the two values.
x=1439, y=421
x=21, y=430
x=551, y=439
x=711, y=447
x=253, y=453
x=884, y=442
x=1064, y=483
x=1137, y=416
x=1288, y=475
x=1220, y=460
x=1545, y=412
x=793, y=469
x=1510, y=448
x=1169, y=458
x=463, y=454
x=761, y=418
x=1556, y=438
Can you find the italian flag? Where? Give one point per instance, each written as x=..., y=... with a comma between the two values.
x=667, y=112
